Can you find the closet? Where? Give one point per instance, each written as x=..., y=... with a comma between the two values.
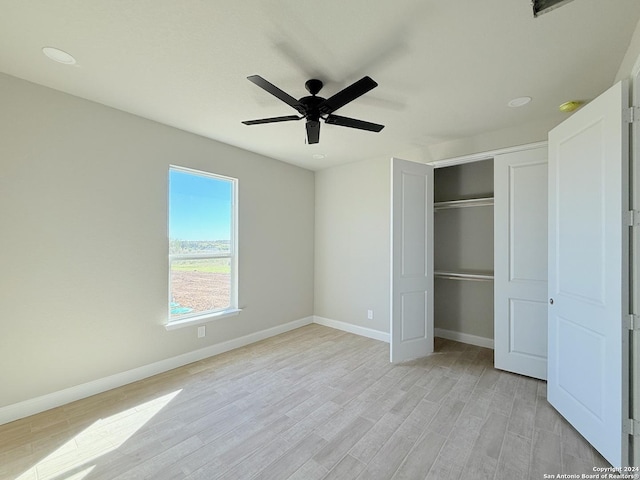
x=463, y=252
x=469, y=256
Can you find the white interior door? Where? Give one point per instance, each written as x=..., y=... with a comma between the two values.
x=588, y=271
x=520, y=260
x=411, y=260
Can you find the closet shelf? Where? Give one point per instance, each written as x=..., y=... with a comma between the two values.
x=479, y=277
x=471, y=202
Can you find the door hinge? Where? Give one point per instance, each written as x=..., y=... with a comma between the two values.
x=633, y=218
x=631, y=322
x=631, y=114
x=631, y=427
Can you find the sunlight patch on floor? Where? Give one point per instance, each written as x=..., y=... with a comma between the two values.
x=72, y=460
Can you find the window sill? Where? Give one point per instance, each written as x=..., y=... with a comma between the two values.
x=200, y=319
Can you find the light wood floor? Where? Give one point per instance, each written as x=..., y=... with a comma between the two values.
x=314, y=403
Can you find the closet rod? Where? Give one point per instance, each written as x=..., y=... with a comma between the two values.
x=471, y=202
x=479, y=277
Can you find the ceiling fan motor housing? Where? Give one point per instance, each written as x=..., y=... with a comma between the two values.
x=311, y=106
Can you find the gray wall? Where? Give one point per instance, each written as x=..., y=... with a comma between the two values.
x=83, y=257
x=631, y=62
x=353, y=243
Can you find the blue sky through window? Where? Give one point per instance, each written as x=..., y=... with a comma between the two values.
x=199, y=207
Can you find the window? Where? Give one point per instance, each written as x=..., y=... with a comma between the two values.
x=202, y=245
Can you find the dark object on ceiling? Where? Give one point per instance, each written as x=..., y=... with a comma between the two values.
x=314, y=108
x=544, y=6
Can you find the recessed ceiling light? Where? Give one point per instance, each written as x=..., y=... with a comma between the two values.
x=318, y=156
x=58, y=55
x=519, y=102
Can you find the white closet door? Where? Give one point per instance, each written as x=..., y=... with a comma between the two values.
x=588, y=271
x=520, y=259
x=411, y=260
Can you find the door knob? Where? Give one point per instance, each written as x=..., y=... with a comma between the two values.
x=551, y=301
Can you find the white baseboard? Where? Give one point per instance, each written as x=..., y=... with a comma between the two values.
x=384, y=337
x=349, y=327
x=62, y=397
x=464, y=338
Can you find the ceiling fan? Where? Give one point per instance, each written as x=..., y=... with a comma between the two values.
x=314, y=108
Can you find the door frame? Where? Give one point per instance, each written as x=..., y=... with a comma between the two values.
x=634, y=268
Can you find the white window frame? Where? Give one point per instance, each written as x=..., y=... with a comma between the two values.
x=210, y=315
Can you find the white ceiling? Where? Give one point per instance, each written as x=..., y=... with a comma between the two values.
x=446, y=69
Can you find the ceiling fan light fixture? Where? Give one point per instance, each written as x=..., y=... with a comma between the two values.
x=59, y=56
x=519, y=102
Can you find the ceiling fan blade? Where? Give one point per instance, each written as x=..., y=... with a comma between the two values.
x=313, y=131
x=272, y=120
x=347, y=95
x=275, y=91
x=353, y=123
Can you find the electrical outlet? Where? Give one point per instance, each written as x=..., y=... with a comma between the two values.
x=202, y=331
x=370, y=314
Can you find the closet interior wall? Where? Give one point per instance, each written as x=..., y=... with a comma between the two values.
x=463, y=250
